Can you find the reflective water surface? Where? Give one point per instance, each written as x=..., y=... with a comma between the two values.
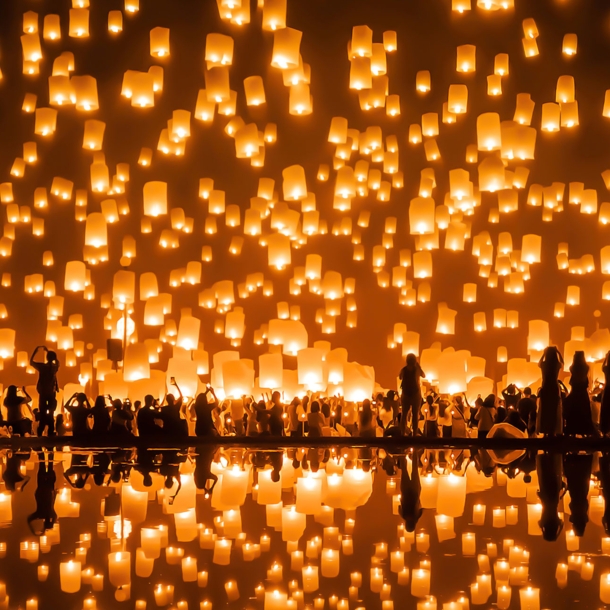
x=315, y=528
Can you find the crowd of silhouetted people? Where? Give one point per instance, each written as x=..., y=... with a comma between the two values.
x=415, y=409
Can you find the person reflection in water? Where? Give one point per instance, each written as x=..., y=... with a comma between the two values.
x=550, y=418
x=604, y=483
x=203, y=476
x=44, y=495
x=550, y=481
x=12, y=475
x=410, y=491
x=577, y=469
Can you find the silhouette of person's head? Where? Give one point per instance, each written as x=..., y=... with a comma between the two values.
x=170, y=399
x=410, y=519
x=275, y=397
x=527, y=391
x=315, y=407
x=579, y=363
x=51, y=356
x=490, y=401
x=411, y=360
x=149, y=399
x=81, y=398
x=551, y=525
x=147, y=479
x=11, y=392
x=579, y=522
x=100, y=403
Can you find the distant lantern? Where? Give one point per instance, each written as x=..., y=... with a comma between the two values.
x=501, y=64
x=274, y=15
x=286, y=48
x=489, y=131
x=421, y=216
x=570, y=44
x=294, y=183
x=362, y=41
x=94, y=135
x=254, y=90
x=96, y=232
x=390, y=41
x=159, y=42
x=51, y=29
x=530, y=248
x=458, y=99
x=75, y=276
x=85, y=92
x=115, y=21
x=219, y=50
x=155, y=198
x=79, y=23
x=466, y=58
x=422, y=81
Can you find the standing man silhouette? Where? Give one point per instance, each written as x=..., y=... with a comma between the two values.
x=47, y=389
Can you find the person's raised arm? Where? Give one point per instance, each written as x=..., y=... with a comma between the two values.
x=175, y=384
x=25, y=393
x=32, y=362
x=466, y=399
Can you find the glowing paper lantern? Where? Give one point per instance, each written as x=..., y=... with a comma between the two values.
x=79, y=23
x=286, y=48
x=159, y=42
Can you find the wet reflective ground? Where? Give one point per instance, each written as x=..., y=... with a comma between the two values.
x=340, y=528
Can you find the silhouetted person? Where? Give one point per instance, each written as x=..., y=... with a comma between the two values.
x=101, y=417
x=577, y=405
x=174, y=425
x=577, y=468
x=411, y=399
x=514, y=419
x=14, y=405
x=315, y=419
x=47, y=390
x=526, y=406
x=550, y=481
x=486, y=416
x=604, y=485
x=604, y=412
x=410, y=491
x=148, y=419
x=203, y=407
x=511, y=395
x=390, y=401
x=203, y=476
x=44, y=495
x=79, y=408
x=549, y=420
x=276, y=415
x=121, y=414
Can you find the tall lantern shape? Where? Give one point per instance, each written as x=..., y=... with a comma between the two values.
x=155, y=198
